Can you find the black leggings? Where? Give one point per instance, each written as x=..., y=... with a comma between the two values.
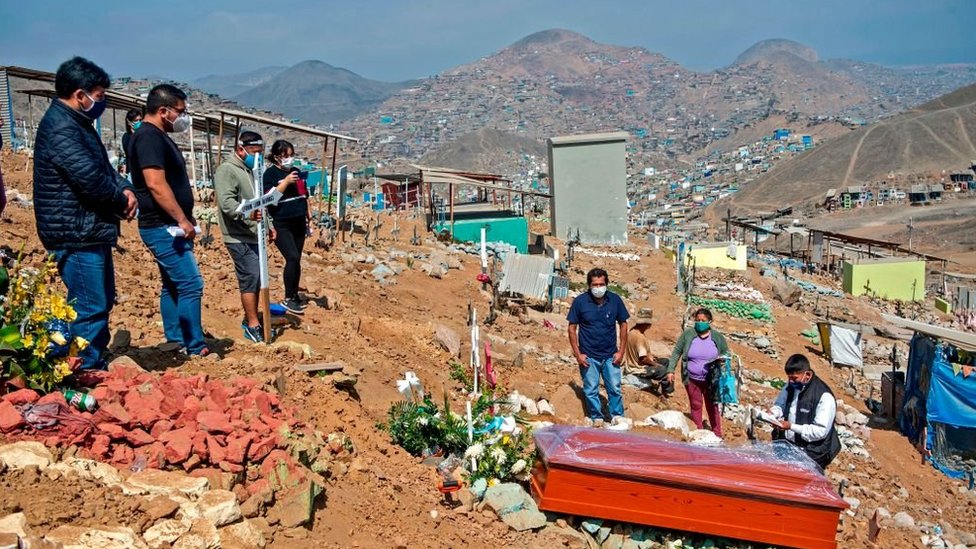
x=290, y=242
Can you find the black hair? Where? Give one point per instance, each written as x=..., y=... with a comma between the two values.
x=79, y=73
x=597, y=273
x=248, y=136
x=163, y=95
x=130, y=117
x=278, y=149
x=703, y=311
x=797, y=364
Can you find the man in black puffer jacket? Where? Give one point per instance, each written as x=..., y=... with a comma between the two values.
x=79, y=199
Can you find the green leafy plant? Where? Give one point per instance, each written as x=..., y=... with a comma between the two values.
x=422, y=428
x=460, y=374
x=36, y=346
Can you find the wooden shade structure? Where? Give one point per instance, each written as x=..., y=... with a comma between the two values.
x=769, y=493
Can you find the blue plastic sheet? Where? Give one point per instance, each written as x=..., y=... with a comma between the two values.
x=944, y=403
x=952, y=398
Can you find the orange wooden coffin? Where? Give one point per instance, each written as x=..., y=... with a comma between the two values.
x=769, y=493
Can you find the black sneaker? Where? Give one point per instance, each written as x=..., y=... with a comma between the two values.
x=293, y=306
x=255, y=334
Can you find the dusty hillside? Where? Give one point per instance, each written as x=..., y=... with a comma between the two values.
x=388, y=499
x=940, y=135
x=483, y=149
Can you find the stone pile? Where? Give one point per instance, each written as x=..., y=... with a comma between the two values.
x=179, y=511
x=232, y=435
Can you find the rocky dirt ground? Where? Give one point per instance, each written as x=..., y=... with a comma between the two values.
x=383, y=327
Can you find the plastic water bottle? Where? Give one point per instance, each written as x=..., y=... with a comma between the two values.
x=83, y=401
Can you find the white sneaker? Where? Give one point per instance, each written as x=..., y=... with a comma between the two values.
x=590, y=422
x=621, y=423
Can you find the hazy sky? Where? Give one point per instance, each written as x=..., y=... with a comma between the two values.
x=395, y=40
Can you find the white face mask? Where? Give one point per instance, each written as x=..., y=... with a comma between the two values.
x=287, y=162
x=181, y=123
x=598, y=291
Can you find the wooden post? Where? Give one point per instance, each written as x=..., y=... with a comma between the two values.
x=115, y=129
x=193, y=163
x=210, y=166
x=332, y=172
x=325, y=156
x=450, y=189
x=220, y=140
x=32, y=134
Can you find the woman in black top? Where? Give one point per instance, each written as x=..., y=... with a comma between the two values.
x=289, y=217
x=133, y=119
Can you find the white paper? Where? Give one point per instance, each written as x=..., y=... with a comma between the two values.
x=175, y=231
x=762, y=415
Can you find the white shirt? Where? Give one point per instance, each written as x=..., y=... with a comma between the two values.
x=823, y=419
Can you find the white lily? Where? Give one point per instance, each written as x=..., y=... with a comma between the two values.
x=410, y=386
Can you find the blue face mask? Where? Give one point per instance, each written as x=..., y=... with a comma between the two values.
x=797, y=385
x=136, y=124
x=702, y=327
x=249, y=161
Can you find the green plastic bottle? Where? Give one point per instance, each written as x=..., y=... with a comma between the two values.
x=82, y=401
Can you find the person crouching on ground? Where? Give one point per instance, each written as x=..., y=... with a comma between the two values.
x=595, y=320
x=806, y=408
x=234, y=184
x=697, y=348
x=637, y=358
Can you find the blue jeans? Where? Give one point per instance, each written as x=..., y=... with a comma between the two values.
x=611, y=375
x=89, y=275
x=182, y=292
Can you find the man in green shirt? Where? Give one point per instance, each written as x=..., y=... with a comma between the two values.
x=234, y=184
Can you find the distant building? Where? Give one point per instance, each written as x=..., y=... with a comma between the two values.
x=918, y=194
x=888, y=278
x=852, y=197
x=830, y=200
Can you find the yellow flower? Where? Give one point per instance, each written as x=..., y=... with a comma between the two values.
x=62, y=370
x=506, y=439
x=27, y=340
x=493, y=482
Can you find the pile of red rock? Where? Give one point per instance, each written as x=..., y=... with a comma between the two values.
x=206, y=427
x=169, y=420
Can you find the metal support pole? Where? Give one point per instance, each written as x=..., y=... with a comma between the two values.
x=257, y=173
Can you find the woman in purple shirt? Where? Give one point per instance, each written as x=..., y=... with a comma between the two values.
x=697, y=347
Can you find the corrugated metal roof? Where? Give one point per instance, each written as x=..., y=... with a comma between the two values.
x=528, y=275
x=962, y=340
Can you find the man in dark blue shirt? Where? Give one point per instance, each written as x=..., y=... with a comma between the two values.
x=596, y=320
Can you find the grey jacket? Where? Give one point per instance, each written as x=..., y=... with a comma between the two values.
x=234, y=184
x=684, y=343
